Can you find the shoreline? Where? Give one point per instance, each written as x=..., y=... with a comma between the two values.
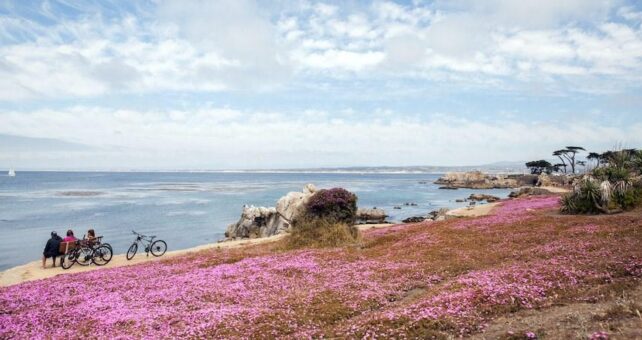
x=33, y=271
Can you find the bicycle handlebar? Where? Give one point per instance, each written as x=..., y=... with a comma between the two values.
x=143, y=236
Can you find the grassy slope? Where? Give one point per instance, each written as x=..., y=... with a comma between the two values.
x=480, y=277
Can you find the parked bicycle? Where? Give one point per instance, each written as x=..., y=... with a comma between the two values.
x=84, y=252
x=156, y=247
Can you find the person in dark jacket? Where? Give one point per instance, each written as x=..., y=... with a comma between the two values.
x=51, y=249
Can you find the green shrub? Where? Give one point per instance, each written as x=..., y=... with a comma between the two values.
x=612, y=174
x=629, y=199
x=336, y=204
x=314, y=232
x=590, y=196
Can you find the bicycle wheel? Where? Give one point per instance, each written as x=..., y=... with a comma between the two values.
x=102, y=255
x=132, y=251
x=85, y=256
x=108, y=246
x=158, y=248
x=68, y=260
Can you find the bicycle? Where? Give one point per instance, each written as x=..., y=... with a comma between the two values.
x=156, y=247
x=84, y=252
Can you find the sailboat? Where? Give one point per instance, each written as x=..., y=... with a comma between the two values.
x=11, y=173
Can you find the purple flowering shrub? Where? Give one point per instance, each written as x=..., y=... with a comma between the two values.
x=337, y=204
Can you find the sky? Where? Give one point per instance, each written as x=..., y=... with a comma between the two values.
x=245, y=84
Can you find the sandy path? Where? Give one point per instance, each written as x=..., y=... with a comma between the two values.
x=474, y=211
x=33, y=270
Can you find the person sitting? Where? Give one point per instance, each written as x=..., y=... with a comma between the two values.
x=70, y=236
x=51, y=249
x=91, y=234
x=91, y=237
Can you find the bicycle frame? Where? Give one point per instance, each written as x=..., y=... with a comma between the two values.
x=144, y=240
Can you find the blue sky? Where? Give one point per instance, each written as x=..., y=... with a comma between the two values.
x=244, y=84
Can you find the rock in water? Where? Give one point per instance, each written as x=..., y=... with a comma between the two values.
x=263, y=222
x=375, y=215
x=414, y=219
x=438, y=215
x=483, y=197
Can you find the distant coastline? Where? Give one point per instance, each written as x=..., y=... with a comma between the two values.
x=507, y=168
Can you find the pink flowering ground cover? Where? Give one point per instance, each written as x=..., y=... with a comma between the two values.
x=426, y=280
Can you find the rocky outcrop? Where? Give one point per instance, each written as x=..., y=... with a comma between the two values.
x=529, y=191
x=374, y=215
x=414, y=219
x=544, y=180
x=257, y=222
x=435, y=215
x=480, y=180
x=262, y=222
x=476, y=180
x=483, y=197
x=438, y=215
x=292, y=205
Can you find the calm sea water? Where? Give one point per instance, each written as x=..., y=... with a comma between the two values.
x=184, y=209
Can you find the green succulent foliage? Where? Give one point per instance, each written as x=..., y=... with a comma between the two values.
x=586, y=198
x=615, y=185
x=629, y=199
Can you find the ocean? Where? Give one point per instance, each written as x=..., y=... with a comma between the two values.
x=185, y=209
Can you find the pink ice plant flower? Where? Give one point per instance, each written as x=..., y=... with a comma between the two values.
x=214, y=296
x=511, y=211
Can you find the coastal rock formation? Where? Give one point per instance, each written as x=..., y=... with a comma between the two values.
x=483, y=197
x=256, y=222
x=480, y=180
x=528, y=191
x=435, y=215
x=544, y=180
x=262, y=222
x=374, y=215
x=476, y=180
x=438, y=215
x=292, y=205
x=414, y=219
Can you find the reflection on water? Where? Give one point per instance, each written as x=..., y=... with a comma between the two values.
x=186, y=209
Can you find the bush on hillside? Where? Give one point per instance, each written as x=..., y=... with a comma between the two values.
x=612, y=187
x=337, y=204
x=328, y=221
x=314, y=232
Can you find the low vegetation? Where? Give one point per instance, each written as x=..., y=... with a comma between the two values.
x=314, y=232
x=614, y=185
x=611, y=182
x=447, y=279
x=328, y=221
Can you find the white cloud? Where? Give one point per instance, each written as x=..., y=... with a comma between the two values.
x=338, y=59
x=229, y=45
x=229, y=138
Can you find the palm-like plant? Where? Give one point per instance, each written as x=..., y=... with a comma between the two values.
x=614, y=186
